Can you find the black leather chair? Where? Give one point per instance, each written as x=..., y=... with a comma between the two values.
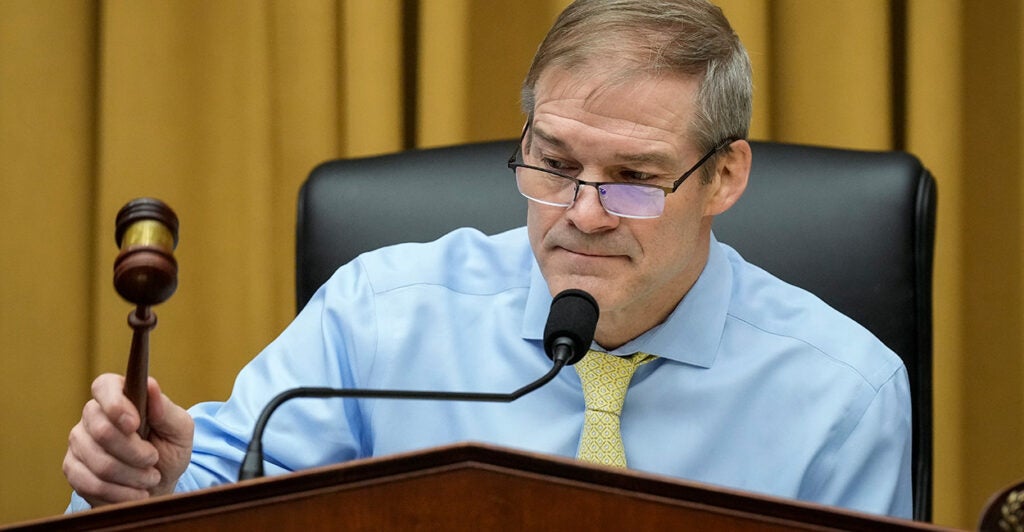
x=854, y=227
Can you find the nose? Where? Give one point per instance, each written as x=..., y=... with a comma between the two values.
x=588, y=214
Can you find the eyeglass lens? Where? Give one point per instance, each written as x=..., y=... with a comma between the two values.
x=620, y=199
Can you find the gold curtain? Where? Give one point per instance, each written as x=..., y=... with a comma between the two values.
x=221, y=108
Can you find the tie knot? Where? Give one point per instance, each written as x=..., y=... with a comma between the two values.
x=606, y=378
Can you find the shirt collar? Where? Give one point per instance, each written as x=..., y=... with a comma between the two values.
x=692, y=332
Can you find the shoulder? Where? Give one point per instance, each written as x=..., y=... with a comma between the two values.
x=772, y=308
x=465, y=260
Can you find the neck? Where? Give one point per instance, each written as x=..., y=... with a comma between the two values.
x=616, y=327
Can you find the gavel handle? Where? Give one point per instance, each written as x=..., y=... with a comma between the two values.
x=136, y=376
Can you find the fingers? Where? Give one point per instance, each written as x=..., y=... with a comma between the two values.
x=115, y=438
x=95, y=491
x=106, y=460
x=100, y=477
x=108, y=393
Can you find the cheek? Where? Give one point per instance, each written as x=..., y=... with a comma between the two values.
x=538, y=222
x=668, y=244
x=685, y=212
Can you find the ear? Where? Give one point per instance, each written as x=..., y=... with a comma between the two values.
x=732, y=172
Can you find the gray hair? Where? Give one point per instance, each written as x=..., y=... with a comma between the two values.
x=691, y=38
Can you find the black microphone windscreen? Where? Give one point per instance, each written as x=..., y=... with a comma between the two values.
x=573, y=316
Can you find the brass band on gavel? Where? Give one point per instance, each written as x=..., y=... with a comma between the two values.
x=145, y=271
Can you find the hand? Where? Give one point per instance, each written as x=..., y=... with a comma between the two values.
x=108, y=462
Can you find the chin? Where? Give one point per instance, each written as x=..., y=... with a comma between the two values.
x=594, y=286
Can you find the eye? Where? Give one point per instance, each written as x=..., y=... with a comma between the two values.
x=632, y=175
x=557, y=165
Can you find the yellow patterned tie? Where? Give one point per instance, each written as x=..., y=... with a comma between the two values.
x=605, y=380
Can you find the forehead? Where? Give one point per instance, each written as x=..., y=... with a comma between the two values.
x=617, y=101
x=595, y=107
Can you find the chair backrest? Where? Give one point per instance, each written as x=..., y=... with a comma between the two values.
x=854, y=227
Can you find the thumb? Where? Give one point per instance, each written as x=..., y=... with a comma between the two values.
x=171, y=429
x=169, y=421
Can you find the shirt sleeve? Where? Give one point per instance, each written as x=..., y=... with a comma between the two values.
x=77, y=504
x=872, y=466
x=312, y=351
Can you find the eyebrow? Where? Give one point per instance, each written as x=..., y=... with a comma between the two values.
x=550, y=139
x=654, y=158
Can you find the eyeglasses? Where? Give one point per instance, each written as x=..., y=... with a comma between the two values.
x=628, y=200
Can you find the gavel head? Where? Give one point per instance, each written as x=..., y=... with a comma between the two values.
x=145, y=272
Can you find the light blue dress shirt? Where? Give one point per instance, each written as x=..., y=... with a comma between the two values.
x=759, y=385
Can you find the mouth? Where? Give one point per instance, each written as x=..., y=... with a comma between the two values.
x=592, y=254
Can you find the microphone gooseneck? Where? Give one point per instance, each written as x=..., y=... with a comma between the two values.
x=567, y=337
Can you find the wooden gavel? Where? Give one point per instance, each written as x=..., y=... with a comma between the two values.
x=146, y=274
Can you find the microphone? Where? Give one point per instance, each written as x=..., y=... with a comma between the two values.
x=570, y=327
x=568, y=333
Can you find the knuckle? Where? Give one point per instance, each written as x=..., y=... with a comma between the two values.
x=68, y=465
x=106, y=468
x=77, y=443
x=90, y=406
x=73, y=434
x=98, y=384
x=80, y=479
x=104, y=433
x=92, y=487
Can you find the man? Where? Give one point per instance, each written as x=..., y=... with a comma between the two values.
x=637, y=114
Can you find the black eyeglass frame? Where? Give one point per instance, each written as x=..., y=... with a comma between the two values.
x=512, y=164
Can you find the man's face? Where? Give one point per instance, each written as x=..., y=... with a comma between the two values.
x=636, y=269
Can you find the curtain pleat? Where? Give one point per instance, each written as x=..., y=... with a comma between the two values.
x=47, y=156
x=813, y=92
x=934, y=126
x=992, y=225
x=371, y=45
x=751, y=20
x=222, y=108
